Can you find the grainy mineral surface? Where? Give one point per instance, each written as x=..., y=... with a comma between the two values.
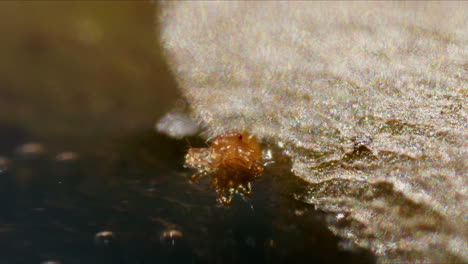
x=367, y=99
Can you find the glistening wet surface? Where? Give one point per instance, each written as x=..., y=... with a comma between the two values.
x=84, y=178
x=128, y=210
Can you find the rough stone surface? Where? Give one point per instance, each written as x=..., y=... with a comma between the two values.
x=368, y=99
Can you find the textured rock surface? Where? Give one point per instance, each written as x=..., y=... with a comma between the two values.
x=369, y=100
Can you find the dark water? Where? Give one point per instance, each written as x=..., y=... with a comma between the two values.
x=88, y=78
x=55, y=210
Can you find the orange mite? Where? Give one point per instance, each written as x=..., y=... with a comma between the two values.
x=232, y=159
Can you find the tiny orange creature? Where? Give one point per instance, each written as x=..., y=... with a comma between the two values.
x=232, y=159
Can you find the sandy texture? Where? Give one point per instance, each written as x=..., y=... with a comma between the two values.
x=368, y=99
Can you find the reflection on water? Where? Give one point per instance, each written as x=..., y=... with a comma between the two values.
x=125, y=210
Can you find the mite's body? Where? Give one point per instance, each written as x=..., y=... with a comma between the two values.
x=234, y=161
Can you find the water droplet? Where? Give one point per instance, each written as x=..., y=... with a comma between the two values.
x=30, y=150
x=50, y=262
x=298, y=212
x=170, y=236
x=66, y=156
x=340, y=216
x=104, y=237
x=4, y=163
x=176, y=125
